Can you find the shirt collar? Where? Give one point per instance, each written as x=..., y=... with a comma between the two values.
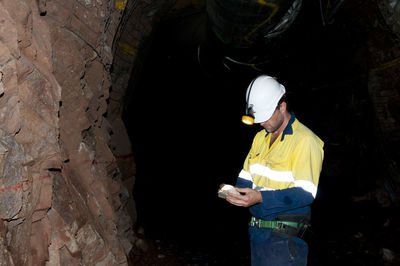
x=288, y=129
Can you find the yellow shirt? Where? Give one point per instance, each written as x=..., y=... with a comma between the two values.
x=293, y=160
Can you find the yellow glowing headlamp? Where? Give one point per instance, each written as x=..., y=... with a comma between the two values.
x=248, y=119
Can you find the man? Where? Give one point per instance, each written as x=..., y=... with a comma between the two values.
x=279, y=178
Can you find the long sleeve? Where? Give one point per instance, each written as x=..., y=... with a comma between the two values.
x=290, y=200
x=243, y=183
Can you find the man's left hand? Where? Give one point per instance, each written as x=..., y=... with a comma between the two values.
x=249, y=198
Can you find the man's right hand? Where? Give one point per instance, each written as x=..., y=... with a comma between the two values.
x=249, y=198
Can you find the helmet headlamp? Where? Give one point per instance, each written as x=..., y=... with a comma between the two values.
x=248, y=119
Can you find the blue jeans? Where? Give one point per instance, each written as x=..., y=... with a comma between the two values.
x=276, y=251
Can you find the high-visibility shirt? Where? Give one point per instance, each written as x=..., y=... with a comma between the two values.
x=286, y=172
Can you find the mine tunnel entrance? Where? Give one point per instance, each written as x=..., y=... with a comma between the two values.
x=187, y=138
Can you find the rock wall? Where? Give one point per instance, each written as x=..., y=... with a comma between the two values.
x=390, y=10
x=62, y=198
x=383, y=78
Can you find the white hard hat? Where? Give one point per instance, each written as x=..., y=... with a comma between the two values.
x=262, y=97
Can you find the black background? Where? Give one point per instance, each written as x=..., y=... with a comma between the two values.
x=187, y=137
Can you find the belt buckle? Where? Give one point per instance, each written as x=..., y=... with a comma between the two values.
x=281, y=225
x=256, y=223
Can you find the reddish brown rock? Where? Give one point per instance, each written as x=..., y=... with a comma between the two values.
x=59, y=184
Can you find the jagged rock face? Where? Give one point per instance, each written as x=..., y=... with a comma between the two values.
x=60, y=184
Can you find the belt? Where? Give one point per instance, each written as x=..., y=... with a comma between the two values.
x=274, y=224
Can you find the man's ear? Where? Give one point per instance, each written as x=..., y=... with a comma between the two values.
x=282, y=107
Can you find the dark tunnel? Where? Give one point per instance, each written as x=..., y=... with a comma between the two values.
x=184, y=122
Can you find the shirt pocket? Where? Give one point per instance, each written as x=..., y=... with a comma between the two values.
x=254, y=158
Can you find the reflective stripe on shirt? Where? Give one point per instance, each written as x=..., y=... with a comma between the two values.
x=265, y=171
x=281, y=176
x=245, y=175
x=307, y=186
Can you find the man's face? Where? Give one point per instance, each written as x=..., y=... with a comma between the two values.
x=275, y=122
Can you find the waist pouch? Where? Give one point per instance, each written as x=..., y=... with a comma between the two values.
x=303, y=229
